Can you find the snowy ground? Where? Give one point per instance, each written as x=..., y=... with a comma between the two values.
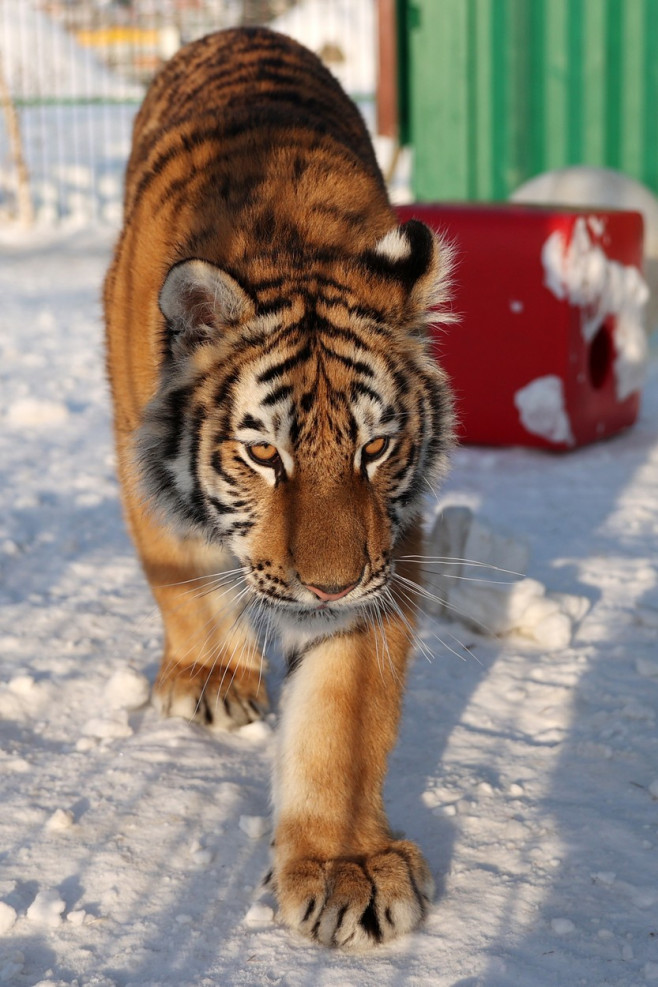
x=131, y=847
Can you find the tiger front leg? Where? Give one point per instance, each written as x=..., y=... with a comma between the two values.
x=212, y=668
x=339, y=875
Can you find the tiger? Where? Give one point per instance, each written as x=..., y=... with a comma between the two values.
x=278, y=416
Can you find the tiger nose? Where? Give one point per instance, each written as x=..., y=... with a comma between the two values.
x=330, y=593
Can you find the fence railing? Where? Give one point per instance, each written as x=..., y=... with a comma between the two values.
x=73, y=73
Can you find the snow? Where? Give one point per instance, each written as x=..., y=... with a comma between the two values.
x=254, y=826
x=590, y=186
x=7, y=917
x=61, y=819
x=563, y=926
x=542, y=410
x=528, y=776
x=128, y=689
x=47, y=908
x=580, y=271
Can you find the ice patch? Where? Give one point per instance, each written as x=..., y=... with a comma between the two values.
x=259, y=914
x=47, y=908
x=605, y=877
x=580, y=272
x=21, y=685
x=653, y=789
x=22, y=698
x=7, y=917
x=562, y=926
x=254, y=826
x=61, y=819
x=35, y=413
x=128, y=689
x=647, y=668
x=259, y=731
x=200, y=855
x=542, y=410
x=108, y=728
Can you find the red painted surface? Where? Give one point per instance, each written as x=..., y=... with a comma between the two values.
x=513, y=329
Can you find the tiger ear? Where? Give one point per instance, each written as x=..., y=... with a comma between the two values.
x=199, y=300
x=423, y=263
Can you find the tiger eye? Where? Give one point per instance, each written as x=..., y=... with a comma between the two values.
x=263, y=452
x=375, y=448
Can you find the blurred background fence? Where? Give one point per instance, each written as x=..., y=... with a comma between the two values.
x=73, y=72
x=486, y=93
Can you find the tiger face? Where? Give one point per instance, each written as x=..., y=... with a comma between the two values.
x=299, y=425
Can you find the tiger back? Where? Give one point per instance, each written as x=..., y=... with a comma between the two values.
x=277, y=417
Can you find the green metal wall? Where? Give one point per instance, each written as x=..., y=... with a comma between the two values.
x=495, y=91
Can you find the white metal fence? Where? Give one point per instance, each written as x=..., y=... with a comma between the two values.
x=73, y=72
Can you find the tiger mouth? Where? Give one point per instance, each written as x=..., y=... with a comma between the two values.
x=325, y=611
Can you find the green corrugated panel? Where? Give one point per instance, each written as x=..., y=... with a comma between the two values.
x=496, y=91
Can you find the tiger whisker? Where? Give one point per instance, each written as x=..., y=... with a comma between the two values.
x=211, y=622
x=235, y=665
x=470, y=579
x=372, y=613
x=216, y=654
x=385, y=646
x=415, y=639
x=196, y=579
x=448, y=647
x=453, y=560
x=207, y=591
x=423, y=593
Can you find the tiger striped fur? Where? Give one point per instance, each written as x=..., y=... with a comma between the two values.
x=277, y=418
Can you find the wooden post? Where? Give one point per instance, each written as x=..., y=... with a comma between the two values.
x=24, y=207
x=387, y=70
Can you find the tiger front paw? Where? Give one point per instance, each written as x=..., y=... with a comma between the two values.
x=219, y=697
x=356, y=903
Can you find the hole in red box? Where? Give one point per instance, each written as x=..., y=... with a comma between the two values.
x=600, y=357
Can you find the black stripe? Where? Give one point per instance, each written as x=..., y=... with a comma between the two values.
x=363, y=311
x=338, y=332
x=357, y=365
x=406, y=466
x=216, y=463
x=307, y=401
x=240, y=528
x=220, y=507
x=248, y=421
x=173, y=414
x=301, y=356
x=197, y=500
x=278, y=394
x=358, y=388
x=226, y=386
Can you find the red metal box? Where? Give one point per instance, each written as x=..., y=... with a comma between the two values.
x=550, y=348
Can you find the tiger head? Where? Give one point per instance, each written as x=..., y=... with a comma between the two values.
x=299, y=418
